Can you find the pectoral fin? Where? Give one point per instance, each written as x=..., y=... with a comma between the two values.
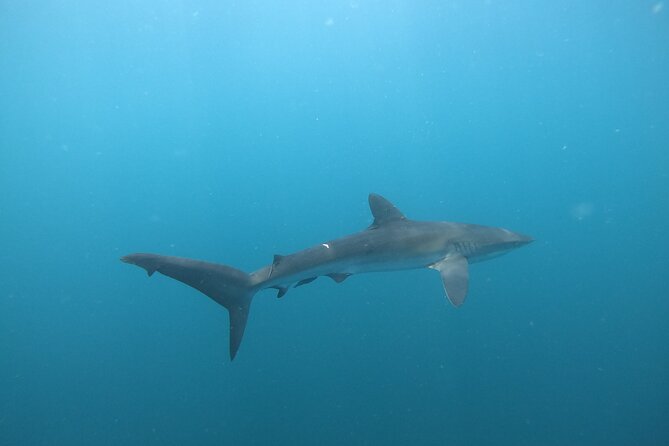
x=454, y=271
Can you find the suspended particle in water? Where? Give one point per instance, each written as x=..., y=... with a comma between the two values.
x=581, y=211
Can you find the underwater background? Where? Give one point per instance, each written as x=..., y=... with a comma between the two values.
x=233, y=131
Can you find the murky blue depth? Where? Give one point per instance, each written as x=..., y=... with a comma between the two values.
x=233, y=131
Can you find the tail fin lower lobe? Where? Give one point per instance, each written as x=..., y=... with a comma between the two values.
x=228, y=286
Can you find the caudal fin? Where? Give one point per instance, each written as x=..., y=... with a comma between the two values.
x=228, y=286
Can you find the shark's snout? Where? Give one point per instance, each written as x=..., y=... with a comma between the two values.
x=514, y=239
x=523, y=239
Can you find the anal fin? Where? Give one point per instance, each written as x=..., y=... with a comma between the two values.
x=305, y=281
x=282, y=291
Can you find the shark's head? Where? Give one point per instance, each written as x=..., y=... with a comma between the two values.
x=508, y=240
x=479, y=243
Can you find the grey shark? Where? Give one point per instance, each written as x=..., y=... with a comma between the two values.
x=392, y=242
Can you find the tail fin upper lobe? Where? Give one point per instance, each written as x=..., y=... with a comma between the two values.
x=228, y=286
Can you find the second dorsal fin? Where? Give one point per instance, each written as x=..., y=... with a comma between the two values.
x=275, y=262
x=383, y=211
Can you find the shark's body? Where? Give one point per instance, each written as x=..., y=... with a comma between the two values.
x=392, y=242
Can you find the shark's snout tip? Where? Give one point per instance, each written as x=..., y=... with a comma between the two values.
x=524, y=239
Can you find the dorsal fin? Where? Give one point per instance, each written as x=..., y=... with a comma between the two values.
x=383, y=211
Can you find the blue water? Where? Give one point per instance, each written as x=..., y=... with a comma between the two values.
x=231, y=131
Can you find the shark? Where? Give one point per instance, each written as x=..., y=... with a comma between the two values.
x=392, y=242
